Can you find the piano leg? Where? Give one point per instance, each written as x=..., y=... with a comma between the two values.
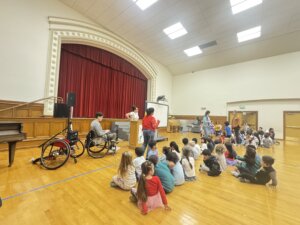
x=12, y=148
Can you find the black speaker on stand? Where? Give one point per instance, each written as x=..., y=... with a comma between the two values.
x=70, y=99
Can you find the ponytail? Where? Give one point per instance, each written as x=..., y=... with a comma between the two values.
x=141, y=190
x=146, y=167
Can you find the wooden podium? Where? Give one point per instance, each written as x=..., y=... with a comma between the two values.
x=134, y=134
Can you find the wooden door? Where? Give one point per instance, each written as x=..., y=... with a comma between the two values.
x=249, y=117
x=291, y=126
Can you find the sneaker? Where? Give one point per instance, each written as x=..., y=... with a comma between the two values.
x=235, y=173
x=113, y=184
x=133, y=199
x=242, y=180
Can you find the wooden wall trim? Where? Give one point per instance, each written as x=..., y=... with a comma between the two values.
x=41, y=129
x=31, y=110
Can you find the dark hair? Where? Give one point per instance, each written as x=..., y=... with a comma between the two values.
x=268, y=160
x=176, y=148
x=232, y=153
x=210, y=146
x=206, y=152
x=141, y=189
x=195, y=140
x=98, y=114
x=172, y=143
x=217, y=141
x=152, y=144
x=172, y=156
x=185, y=141
x=226, y=123
x=166, y=150
x=204, y=139
x=186, y=152
x=150, y=111
x=153, y=159
x=207, y=112
x=249, y=132
x=250, y=155
x=133, y=107
x=139, y=151
x=266, y=135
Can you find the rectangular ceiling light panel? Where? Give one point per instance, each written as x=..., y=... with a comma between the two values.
x=238, y=6
x=175, y=31
x=249, y=34
x=144, y=4
x=193, y=51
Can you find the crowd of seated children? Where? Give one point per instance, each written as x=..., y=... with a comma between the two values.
x=211, y=165
x=262, y=176
x=137, y=162
x=152, y=150
x=188, y=164
x=176, y=168
x=149, y=193
x=162, y=170
x=230, y=154
x=249, y=163
x=220, y=156
x=126, y=178
x=158, y=176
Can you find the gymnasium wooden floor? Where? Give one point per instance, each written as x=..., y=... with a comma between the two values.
x=80, y=193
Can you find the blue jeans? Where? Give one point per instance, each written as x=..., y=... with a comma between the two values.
x=148, y=136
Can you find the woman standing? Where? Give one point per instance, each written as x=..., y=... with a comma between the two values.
x=206, y=124
x=149, y=126
x=134, y=114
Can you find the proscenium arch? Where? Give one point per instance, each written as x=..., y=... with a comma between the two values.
x=75, y=32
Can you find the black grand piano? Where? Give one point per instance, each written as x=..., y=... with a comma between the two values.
x=11, y=132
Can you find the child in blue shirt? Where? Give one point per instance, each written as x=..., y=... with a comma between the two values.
x=152, y=149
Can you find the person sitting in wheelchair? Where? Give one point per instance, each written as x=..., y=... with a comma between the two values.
x=99, y=132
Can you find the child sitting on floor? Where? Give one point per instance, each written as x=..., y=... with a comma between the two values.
x=137, y=162
x=125, y=179
x=264, y=175
x=188, y=164
x=152, y=150
x=211, y=165
x=220, y=150
x=150, y=193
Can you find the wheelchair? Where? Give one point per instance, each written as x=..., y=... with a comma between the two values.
x=56, y=151
x=98, y=147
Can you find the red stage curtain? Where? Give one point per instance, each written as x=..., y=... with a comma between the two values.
x=102, y=82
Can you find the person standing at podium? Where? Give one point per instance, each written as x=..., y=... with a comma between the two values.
x=134, y=114
x=149, y=125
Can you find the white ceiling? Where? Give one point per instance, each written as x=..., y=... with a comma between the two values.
x=205, y=21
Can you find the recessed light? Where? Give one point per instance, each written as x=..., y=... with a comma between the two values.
x=144, y=4
x=175, y=31
x=193, y=51
x=249, y=34
x=241, y=5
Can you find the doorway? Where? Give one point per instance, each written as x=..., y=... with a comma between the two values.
x=291, y=123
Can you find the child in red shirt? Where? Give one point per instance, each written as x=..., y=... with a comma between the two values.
x=150, y=193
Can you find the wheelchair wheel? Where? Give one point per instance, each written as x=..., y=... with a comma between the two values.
x=77, y=150
x=55, y=154
x=96, y=150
